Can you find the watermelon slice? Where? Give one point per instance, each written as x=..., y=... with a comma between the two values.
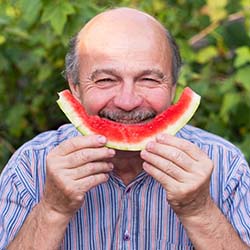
x=131, y=137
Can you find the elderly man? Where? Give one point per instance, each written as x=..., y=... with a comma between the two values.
x=66, y=191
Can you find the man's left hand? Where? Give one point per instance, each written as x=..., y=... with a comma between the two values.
x=184, y=171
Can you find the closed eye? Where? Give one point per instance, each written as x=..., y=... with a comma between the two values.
x=150, y=79
x=103, y=80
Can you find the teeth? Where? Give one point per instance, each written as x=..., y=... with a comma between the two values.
x=133, y=117
x=132, y=121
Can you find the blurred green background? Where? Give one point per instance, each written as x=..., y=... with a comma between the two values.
x=214, y=39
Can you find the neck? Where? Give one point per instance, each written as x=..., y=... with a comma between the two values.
x=127, y=165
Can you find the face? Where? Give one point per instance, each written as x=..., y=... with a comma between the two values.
x=124, y=76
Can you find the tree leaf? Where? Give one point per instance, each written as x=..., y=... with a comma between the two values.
x=206, y=54
x=216, y=10
x=57, y=14
x=243, y=77
x=16, y=119
x=242, y=56
x=30, y=10
x=230, y=100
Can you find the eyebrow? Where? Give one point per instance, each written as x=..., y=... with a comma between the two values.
x=114, y=72
x=103, y=71
x=155, y=72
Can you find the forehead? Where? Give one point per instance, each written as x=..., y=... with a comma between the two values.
x=122, y=32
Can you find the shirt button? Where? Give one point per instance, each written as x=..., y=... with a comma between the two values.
x=126, y=236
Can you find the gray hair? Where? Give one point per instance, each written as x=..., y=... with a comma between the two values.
x=71, y=70
x=176, y=56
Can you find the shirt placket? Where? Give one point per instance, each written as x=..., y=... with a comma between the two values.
x=124, y=226
x=124, y=231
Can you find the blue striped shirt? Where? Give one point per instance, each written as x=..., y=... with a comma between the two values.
x=115, y=216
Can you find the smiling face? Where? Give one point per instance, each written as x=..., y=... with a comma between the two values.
x=124, y=67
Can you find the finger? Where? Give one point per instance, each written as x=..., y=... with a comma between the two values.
x=164, y=165
x=188, y=147
x=91, y=169
x=165, y=180
x=86, y=183
x=79, y=142
x=87, y=155
x=173, y=154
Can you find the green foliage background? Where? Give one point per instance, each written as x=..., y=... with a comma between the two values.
x=214, y=38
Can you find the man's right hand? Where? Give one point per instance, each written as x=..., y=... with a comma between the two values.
x=73, y=168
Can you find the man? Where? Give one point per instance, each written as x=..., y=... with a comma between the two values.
x=182, y=192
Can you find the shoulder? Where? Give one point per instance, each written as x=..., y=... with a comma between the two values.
x=49, y=139
x=205, y=139
x=198, y=135
x=37, y=148
x=229, y=161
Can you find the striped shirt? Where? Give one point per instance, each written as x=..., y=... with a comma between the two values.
x=115, y=216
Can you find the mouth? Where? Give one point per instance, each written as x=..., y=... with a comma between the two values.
x=135, y=117
x=135, y=122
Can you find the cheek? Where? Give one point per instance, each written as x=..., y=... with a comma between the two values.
x=95, y=100
x=159, y=100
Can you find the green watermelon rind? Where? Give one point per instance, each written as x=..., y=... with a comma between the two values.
x=171, y=129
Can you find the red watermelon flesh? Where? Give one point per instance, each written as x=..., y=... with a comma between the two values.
x=132, y=137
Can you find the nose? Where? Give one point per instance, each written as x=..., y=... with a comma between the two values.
x=127, y=98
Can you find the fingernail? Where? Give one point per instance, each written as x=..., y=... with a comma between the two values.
x=111, y=166
x=111, y=152
x=145, y=165
x=150, y=145
x=160, y=137
x=101, y=139
x=106, y=176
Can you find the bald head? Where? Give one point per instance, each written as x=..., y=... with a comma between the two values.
x=123, y=13
x=123, y=29
x=124, y=20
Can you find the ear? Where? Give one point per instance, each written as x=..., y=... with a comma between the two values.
x=75, y=89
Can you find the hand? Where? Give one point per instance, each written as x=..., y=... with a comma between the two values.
x=183, y=170
x=73, y=168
